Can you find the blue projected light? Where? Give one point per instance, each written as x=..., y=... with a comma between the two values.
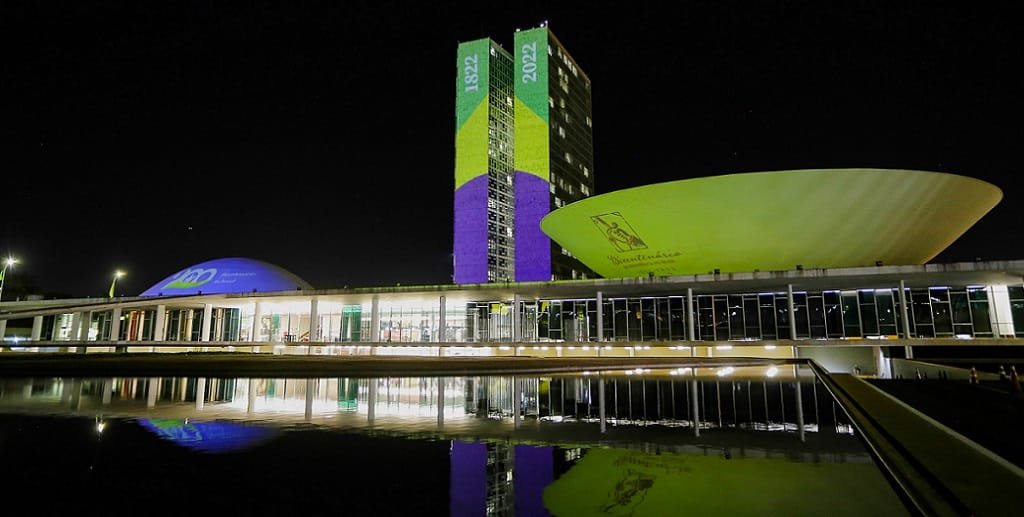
x=227, y=275
x=212, y=437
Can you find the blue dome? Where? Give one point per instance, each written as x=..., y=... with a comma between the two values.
x=214, y=437
x=227, y=275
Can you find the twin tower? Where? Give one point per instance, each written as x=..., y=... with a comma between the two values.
x=523, y=147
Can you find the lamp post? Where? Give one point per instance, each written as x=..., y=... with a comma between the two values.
x=117, y=275
x=8, y=262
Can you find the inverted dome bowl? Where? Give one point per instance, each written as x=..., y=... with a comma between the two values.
x=776, y=220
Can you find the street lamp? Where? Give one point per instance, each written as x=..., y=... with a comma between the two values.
x=117, y=275
x=8, y=262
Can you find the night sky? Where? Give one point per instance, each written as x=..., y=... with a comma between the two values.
x=151, y=136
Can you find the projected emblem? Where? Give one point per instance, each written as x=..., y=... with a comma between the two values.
x=618, y=232
x=191, y=278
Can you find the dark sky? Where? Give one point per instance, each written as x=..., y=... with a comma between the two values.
x=152, y=136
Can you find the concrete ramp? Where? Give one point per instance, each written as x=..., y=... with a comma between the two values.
x=941, y=471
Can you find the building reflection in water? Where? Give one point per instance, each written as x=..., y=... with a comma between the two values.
x=500, y=428
x=671, y=398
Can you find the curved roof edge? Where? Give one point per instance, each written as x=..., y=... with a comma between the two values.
x=228, y=275
x=773, y=220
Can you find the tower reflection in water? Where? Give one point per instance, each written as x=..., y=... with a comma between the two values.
x=671, y=398
x=514, y=440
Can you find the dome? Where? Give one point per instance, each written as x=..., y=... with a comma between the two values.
x=227, y=275
x=211, y=437
x=821, y=218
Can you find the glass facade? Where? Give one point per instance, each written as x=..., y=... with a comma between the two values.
x=964, y=312
x=571, y=144
x=500, y=197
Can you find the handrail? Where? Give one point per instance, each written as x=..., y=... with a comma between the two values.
x=920, y=490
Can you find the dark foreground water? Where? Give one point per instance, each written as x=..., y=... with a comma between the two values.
x=437, y=446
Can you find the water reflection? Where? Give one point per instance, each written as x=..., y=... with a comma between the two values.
x=602, y=443
x=669, y=398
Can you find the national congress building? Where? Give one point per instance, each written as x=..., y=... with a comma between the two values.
x=831, y=264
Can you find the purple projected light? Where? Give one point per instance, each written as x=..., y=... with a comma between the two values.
x=535, y=469
x=533, y=248
x=468, y=492
x=227, y=275
x=471, y=231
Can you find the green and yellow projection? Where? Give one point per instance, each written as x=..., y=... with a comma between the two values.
x=532, y=134
x=472, y=88
x=824, y=218
x=471, y=110
x=532, y=155
x=627, y=482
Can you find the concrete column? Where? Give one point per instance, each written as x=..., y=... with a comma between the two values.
x=200, y=393
x=257, y=315
x=442, y=322
x=204, y=332
x=371, y=401
x=140, y=324
x=115, y=323
x=83, y=335
x=76, y=326
x=517, y=331
x=600, y=402
x=310, y=389
x=791, y=307
x=691, y=331
x=160, y=323
x=993, y=316
x=58, y=319
x=517, y=401
x=600, y=318
x=37, y=328
x=251, y=406
x=695, y=404
x=76, y=394
x=314, y=320
x=185, y=334
x=906, y=320
x=151, y=392
x=799, y=410
x=440, y=401
x=375, y=320
x=879, y=360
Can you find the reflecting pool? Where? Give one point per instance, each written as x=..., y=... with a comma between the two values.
x=765, y=441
